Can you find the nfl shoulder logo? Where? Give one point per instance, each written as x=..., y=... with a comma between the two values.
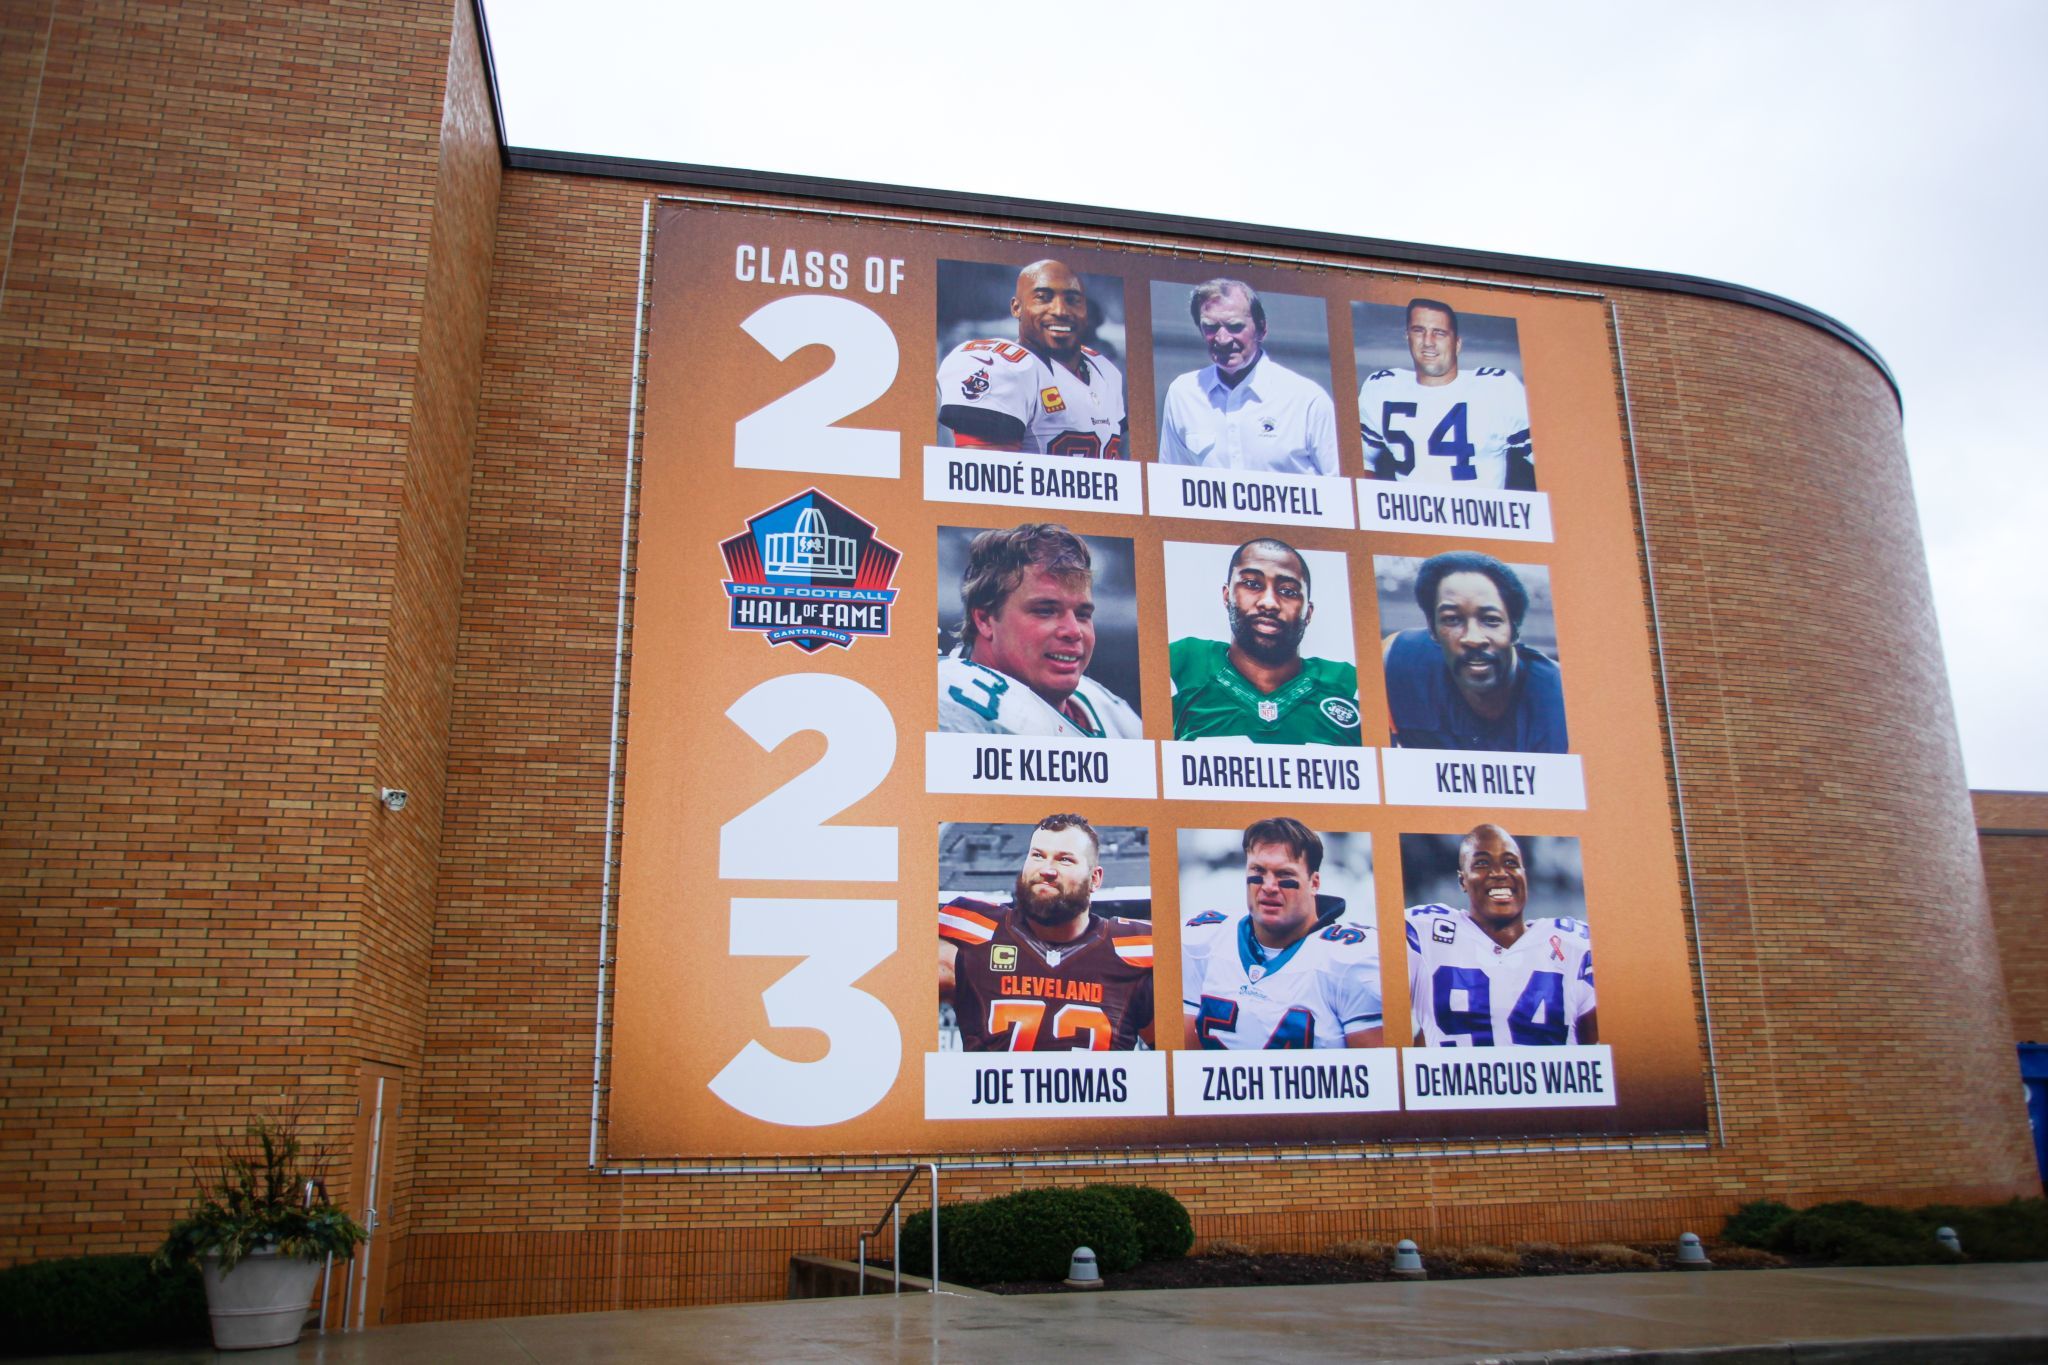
x=1269, y=711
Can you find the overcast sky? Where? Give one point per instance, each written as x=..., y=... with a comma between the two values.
x=1885, y=163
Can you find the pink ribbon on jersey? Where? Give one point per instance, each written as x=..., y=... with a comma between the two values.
x=1557, y=948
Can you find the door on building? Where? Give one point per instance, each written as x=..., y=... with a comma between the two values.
x=379, y=1105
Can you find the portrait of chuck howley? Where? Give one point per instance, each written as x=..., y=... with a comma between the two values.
x=1050, y=647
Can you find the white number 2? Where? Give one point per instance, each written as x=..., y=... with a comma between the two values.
x=841, y=941
x=796, y=431
x=784, y=836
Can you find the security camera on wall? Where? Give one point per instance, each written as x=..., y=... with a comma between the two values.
x=394, y=798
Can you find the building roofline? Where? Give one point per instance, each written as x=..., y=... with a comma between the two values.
x=1124, y=220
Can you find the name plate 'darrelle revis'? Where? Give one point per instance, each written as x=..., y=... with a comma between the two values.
x=1241, y=770
x=1047, y=1085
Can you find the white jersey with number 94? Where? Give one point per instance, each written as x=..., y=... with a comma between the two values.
x=1468, y=991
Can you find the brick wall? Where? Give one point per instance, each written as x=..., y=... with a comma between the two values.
x=233, y=443
x=2012, y=832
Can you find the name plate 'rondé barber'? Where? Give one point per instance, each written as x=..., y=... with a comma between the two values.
x=1249, y=495
x=1012, y=479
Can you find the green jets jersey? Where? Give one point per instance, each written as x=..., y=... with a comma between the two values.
x=1212, y=699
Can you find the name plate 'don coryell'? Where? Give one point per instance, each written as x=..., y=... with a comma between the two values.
x=1002, y=478
x=1249, y=495
x=1572, y=1077
x=1446, y=510
x=1455, y=777
x=1031, y=765
x=1321, y=1081
x=1045, y=1085
x=1241, y=770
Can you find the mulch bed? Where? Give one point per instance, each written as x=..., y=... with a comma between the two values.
x=1232, y=1271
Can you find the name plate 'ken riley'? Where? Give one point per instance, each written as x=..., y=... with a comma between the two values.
x=1249, y=495
x=1048, y=1085
x=1002, y=478
x=1457, y=777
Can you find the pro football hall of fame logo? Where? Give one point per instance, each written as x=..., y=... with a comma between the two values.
x=809, y=573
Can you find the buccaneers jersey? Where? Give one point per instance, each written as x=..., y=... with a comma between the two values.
x=1468, y=991
x=1003, y=394
x=1473, y=430
x=1014, y=992
x=1310, y=994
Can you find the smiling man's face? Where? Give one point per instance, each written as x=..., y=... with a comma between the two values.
x=1490, y=871
x=1051, y=309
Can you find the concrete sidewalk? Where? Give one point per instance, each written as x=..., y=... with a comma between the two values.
x=1908, y=1314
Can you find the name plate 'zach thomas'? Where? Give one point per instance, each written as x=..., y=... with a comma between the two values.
x=1320, y=1081
x=1044, y=1085
x=1012, y=479
x=1456, y=777
x=1039, y=765
x=1579, y=1076
x=1240, y=770
x=1180, y=490
x=1440, y=509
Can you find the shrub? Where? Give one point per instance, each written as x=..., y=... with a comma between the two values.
x=1849, y=1232
x=1733, y=1256
x=917, y=1241
x=1364, y=1252
x=1613, y=1256
x=99, y=1303
x=1756, y=1223
x=1165, y=1232
x=1031, y=1235
x=1223, y=1246
x=2014, y=1231
x=263, y=1190
x=1485, y=1260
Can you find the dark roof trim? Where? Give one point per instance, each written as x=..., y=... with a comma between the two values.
x=2015, y=833
x=1207, y=229
x=483, y=42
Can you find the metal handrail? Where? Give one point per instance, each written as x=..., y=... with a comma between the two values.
x=894, y=1217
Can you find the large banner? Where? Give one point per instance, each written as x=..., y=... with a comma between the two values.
x=1088, y=698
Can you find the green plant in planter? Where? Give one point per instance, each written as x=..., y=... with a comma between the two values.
x=262, y=1193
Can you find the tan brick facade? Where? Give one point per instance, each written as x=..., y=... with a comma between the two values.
x=2012, y=831
x=313, y=433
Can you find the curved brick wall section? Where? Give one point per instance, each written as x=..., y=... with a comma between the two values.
x=1852, y=973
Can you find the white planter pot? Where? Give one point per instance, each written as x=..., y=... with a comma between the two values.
x=261, y=1302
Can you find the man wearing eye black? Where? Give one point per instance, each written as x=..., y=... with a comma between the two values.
x=1245, y=410
x=1259, y=686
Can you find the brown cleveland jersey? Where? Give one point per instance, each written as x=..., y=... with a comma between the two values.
x=1014, y=992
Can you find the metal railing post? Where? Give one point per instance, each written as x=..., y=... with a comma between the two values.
x=896, y=1244
x=863, y=1282
x=935, y=1228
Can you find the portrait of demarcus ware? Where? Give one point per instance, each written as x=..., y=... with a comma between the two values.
x=1483, y=971
x=1291, y=969
x=1046, y=970
x=1029, y=360
x=1442, y=398
x=1047, y=634
x=1275, y=663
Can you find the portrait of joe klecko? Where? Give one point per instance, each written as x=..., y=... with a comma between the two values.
x=1043, y=633
x=1227, y=400
x=1478, y=671
x=1498, y=953
x=1030, y=359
